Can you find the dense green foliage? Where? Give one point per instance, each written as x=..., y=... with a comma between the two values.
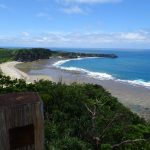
x=32, y=54
x=78, y=54
x=84, y=117
x=25, y=55
x=6, y=55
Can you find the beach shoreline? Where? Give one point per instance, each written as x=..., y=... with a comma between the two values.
x=137, y=98
x=10, y=69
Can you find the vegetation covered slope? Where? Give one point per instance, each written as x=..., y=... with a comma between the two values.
x=25, y=55
x=78, y=54
x=6, y=55
x=84, y=117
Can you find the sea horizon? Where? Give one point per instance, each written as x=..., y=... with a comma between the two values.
x=60, y=48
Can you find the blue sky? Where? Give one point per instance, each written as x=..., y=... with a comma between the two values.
x=75, y=23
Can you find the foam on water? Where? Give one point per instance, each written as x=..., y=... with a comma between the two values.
x=99, y=75
x=136, y=82
x=96, y=75
x=58, y=63
x=61, y=62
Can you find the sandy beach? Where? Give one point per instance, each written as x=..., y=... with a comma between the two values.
x=9, y=69
x=136, y=98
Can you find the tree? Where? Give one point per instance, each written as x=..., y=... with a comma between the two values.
x=84, y=116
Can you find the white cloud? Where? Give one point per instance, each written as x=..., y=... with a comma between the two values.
x=77, y=39
x=89, y=1
x=81, y=6
x=26, y=34
x=44, y=15
x=73, y=10
x=2, y=6
x=134, y=36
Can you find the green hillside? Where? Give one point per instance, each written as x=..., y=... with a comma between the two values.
x=32, y=54
x=84, y=117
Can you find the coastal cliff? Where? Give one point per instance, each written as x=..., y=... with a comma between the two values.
x=77, y=55
x=32, y=54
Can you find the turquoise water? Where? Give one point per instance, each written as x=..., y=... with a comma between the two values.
x=130, y=66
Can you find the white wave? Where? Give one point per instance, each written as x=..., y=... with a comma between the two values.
x=105, y=76
x=61, y=62
x=101, y=76
x=136, y=82
x=74, y=69
x=98, y=75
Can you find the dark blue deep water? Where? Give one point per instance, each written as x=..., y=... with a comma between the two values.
x=131, y=66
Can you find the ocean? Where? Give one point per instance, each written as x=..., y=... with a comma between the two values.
x=131, y=66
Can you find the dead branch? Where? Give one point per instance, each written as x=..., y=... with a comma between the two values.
x=108, y=126
x=93, y=113
x=128, y=142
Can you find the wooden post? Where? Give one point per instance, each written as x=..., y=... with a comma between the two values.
x=21, y=122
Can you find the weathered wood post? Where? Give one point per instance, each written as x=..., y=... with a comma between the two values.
x=21, y=122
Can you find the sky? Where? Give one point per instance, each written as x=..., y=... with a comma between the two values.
x=75, y=23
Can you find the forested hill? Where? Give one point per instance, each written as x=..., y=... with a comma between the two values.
x=24, y=55
x=78, y=54
x=32, y=54
x=84, y=117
